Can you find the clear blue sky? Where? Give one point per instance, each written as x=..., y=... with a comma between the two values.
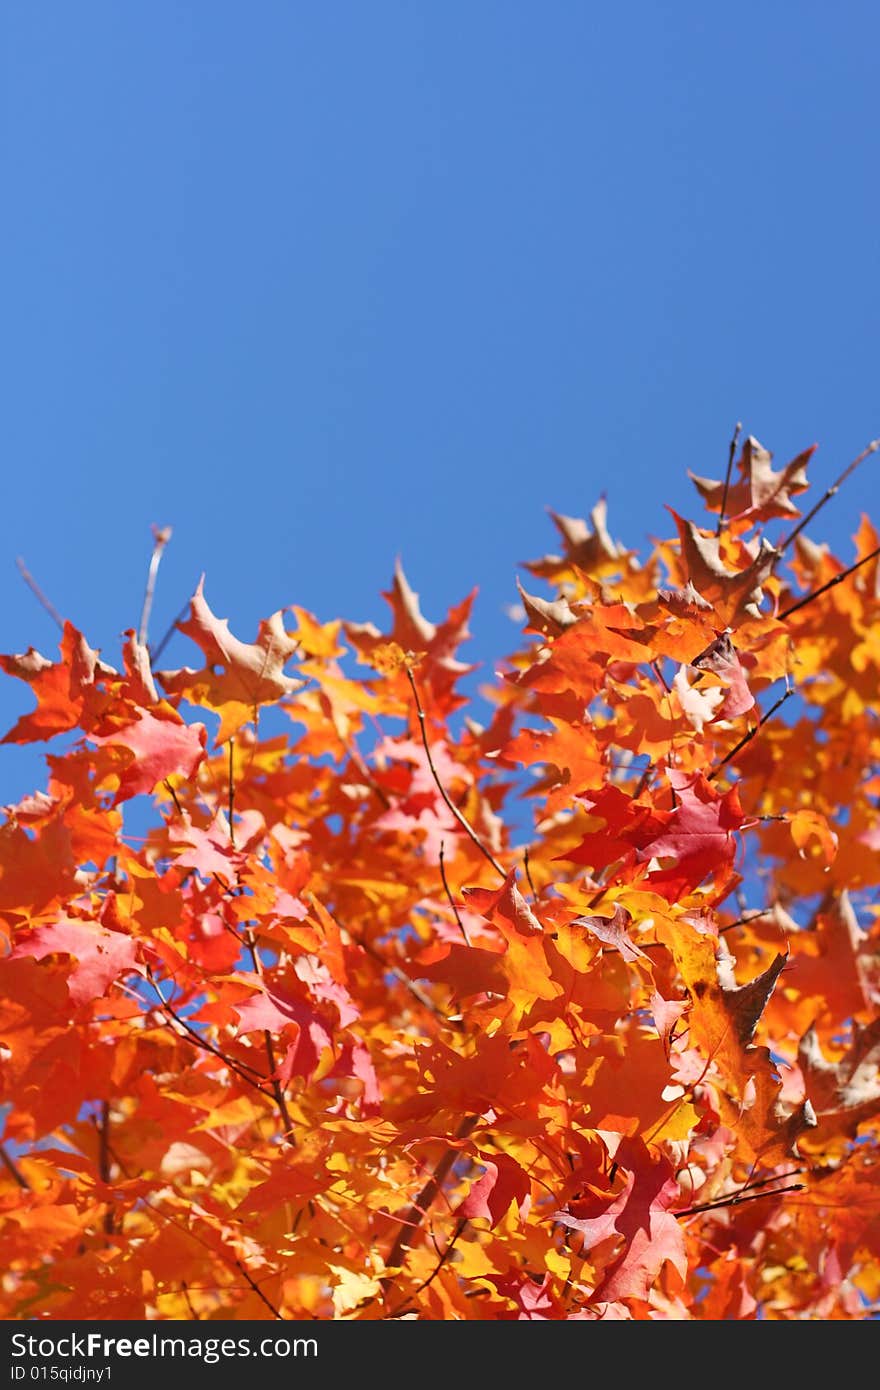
x=320, y=284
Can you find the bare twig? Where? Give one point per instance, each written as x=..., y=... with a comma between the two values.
x=451, y=900
x=169, y=788
x=259, y=1292
x=184, y=1288
x=738, y=1199
x=747, y=738
x=241, y=1069
x=277, y=1088
x=838, y=579
x=13, y=1170
x=388, y=967
x=731, y=453
x=104, y=1164
x=380, y=792
x=459, y=816
x=528, y=874
x=156, y=652
x=231, y=793
x=444, y=1256
x=826, y=497
x=161, y=537
x=38, y=593
x=746, y=918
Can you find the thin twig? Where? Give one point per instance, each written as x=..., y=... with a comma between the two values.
x=184, y=1288
x=231, y=793
x=829, y=493
x=156, y=652
x=13, y=1169
x=838, y=579
x=444, y=1256
x=528, y=874
x=259, y=1292
x=161, y=537
x=459, y=816
x=354, y=753
x=410, y=985
x=742, y=921
x=168, y=787
x=774, y=1177
x=277, y=1088
x=730, y=457
x=241, y=1069
x=738, y=1200
x=747, y=738
x=38, y=593
x=104, y=1165
x=451, y=900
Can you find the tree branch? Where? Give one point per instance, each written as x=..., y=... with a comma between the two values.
x=738, y=1200
x=730, y=457
x=156, y=652
x=461, y=926
x=411, y=1221
x=459, y=816
x=38, y=593
x=279, y=1317
x=838, y=579
x=829, y=493
x=104, y=1165
x=161, y=537
x=13, y=1169
x=747, y=738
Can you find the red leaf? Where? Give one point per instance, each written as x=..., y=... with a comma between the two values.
x=642, y=1215
x=502, y=1183
x=159, y=748
x=101, y=955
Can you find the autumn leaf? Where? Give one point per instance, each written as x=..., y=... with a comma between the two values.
x=759, y=494
x=237, y=676
x=101, y=956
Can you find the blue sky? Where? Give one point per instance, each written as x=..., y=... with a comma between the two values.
x=318, y=285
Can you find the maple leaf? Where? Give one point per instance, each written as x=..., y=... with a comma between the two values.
x=584, y=548
x=273, y=1011
x=101, y=955
x=552, y=618
x=722, y=659
x=735, y=594
x=237, y=676
x=643, y=1215
x=699, y=835
x=845, y=1093
x=414, y=636
x=61, y=688
x=760, y=494
x=612, y=931
x=502, y=1183
x=159, y=748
